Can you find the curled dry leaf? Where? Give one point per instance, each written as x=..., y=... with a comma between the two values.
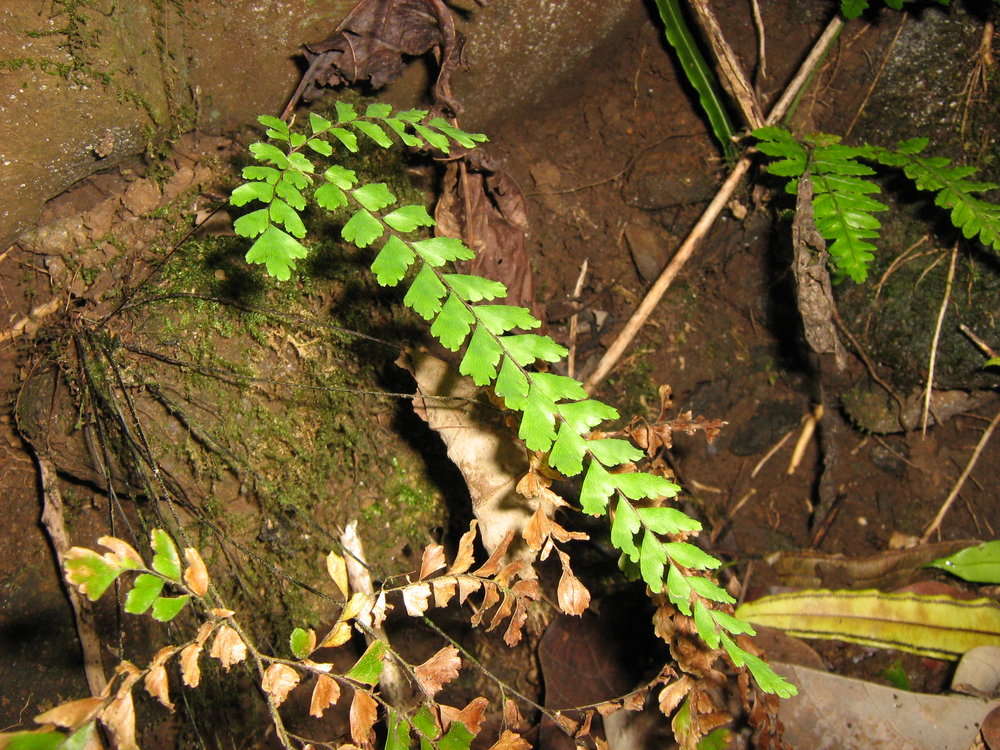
x=364, y=711
x=672, y=695
x=157, y=685
x=119, y=718
x=228, y=647
x=196, y=574
x=325, y=694
x=121, y=551
x=190, y=671
x=511, y=714
x=573, y=595
x=432, y=561
x=511, y=741
x=278, y=681
x=73, y=714
x=536, y=531
x=370, y=43
x=221, y=612
x=471, y=716
x=339, y=635
x=336, y=566
x=204, y=630
x=415, y=598
x=438, y=671
x=492, y=565
x=515, y=626
x=464, y=559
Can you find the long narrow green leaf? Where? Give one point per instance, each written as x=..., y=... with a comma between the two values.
x=937, y=626
x=698, y=73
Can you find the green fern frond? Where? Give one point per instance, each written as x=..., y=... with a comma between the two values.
x=972, y=215
x=843, y=210
x=556, y=413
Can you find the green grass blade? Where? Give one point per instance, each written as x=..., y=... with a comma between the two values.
x=698, y=73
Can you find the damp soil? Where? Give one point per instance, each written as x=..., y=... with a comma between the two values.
x=616, y=166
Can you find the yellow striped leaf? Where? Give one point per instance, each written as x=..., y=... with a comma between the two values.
x=937, y=626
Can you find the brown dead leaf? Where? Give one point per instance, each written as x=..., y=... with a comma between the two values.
x=635, y=701
x=471, y=717
x=415, y=598
x=512, y=635
x=492, y=565
x=73, y=714
x=572, y=595
x=196, y=574
x=364, y=711
x=336, y=566
x=444, y=589
x=432, y=560
x=464, y=558
x=369, y=45
x=511, y=741
x=481, y=204
x=479, y=442
x=568, y=725
x=278, y=681
x=339, y=635
x=204, y=630
x=121, y=551
x=467, y=586
x=190, y=671
x=491, y=595
x=536, y=531
x=502, y=612
x=511, y=715
x=119, y=718
x=157, y=685
x=325, y=693
x=438, y=671
x=562, y=535
x=672, y=695
x=228, y=647
x=221, y=612
x=608, y=707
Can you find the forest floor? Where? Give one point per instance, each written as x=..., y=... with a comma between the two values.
x=616, y=168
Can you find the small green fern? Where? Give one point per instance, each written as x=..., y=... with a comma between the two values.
x=556, y=413
x=842, y=204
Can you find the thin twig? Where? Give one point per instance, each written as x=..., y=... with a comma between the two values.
x=758, y=23
x=767, y=456
x=946, y=505
x=985, y=348
x=574, y=319
x=934, y=342
x=809, y=422
x=55, y=527
x=686, y=250
x=730, y=70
